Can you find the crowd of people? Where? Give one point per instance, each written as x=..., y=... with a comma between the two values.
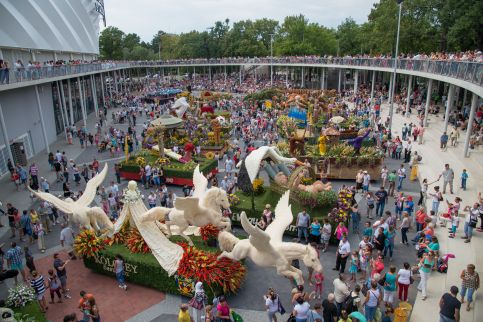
x=368, y=285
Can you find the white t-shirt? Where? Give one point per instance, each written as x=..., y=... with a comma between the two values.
x=302, y=310
x=272, y=305
x=67, y=236
x=326, y=230
x=404, y=275
x=362, y=244
x=344, y=248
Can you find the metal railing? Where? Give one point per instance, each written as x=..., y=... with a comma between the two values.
x=29, y=73
x=463, y=70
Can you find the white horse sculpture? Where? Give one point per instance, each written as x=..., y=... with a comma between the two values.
x=92, y=218
x=200, y=210
x=266, y=248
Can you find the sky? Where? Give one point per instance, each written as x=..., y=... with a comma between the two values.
x=146, y=17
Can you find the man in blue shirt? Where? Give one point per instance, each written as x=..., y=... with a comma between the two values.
x=381, y=198
x=14, y=259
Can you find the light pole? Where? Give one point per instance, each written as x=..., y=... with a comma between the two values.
x=159, y=45
x=271, y=60
x=391, y=107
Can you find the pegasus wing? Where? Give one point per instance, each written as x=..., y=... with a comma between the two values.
x=199, y=182
x=283, y=218
x=64, y=206
x=189, y=204
x=258, y=238
x=91, y=188
x=253, y=160
x=275, y=155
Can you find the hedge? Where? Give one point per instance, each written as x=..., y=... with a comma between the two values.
x=148, y=271
x=272, y=197
x=206, y=166
x=32, y=309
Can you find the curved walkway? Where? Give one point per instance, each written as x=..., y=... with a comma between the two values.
x=433, y=160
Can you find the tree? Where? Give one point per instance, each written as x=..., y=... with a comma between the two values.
x=349, y=37
x=111, y=43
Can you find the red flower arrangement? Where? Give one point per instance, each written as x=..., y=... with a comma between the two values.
x=87, y=243
x=136, y=243
x=120, y=237
x=209, y=232
x=206, y=267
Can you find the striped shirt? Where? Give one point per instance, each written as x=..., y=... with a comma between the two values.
x=38, y=285
x=14, y=255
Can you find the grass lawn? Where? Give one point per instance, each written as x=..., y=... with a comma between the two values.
x=32, y=310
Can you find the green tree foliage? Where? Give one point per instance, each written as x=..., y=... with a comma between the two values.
x=426, y=26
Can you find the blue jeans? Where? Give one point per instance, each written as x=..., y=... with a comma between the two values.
x=444, y=318
x=435, y=207
x=120, y=278
x=380, y=208
x=398, y=211
x=470, y=293
x=355, y=225
x=463, y=184
x=389, y=246
x=468, y=230
x=399, y=183
x=370, y=312
x=303, y=231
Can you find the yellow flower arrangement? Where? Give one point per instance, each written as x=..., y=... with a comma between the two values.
x=140, y=161
x=258, y=186
x=162, y=161
x=210, y=155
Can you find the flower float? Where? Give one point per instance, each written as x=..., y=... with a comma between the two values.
x=136, y=244
x=87, y=243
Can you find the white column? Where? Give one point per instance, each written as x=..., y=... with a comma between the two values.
x=303, y=78
x=410, y=88
x=194, y=73
x=286, y=79
x=240, y=75
x=428, y=101
x=391, y=80
x=81, y=94
x=465, y=93
x=59, y=101
x=55, y=56
x=94, y=95
x=338, y=83
x=449, y=106
x=373, y=84
x=111, y=84
x=5, y=134
x=42, y=123
x=102, y=90
x=71, y=110
x=474, y=101
x=225, y=75
x=356, y=81
x=322, y=79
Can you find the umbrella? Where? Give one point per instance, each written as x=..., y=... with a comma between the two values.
x=337, y=119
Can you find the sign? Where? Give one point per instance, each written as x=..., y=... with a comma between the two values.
x=108, y=265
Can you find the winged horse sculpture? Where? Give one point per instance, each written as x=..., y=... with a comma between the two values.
x=266, y=248
x=92, y=218
x=200, y=210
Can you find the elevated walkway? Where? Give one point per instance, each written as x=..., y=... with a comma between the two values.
x=432, y=164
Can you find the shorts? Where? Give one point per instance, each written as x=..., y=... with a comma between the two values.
x=358, y=185
x=40, y=296
x=314, y=238
x=12, y=224
x=63, y=280
x=17, y=266
x=325, y=239
x=389, y=296
x=453, y=229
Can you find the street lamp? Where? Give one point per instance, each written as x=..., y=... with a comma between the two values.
x=391, y=108
x=160, y=33
x=271, y=60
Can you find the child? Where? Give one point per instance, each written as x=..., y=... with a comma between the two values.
x=326, y=231
x=464, y=177
x=54, y=286
x=354, y=265
x=368, y=230
x=455, y=222
x=319, y=279
x=364, y=256
x=119, y=270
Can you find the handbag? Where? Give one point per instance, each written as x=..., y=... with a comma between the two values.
x=281, y=309
x=291, y=318
x=382, y=281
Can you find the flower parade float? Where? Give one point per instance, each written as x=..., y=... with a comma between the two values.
x=163, y=139
x=169, y=264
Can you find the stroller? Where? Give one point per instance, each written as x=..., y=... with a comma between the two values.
x=442, y=265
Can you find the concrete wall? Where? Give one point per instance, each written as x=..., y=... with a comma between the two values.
x=21, y=115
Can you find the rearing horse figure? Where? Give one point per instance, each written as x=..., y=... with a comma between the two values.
x=200, y=210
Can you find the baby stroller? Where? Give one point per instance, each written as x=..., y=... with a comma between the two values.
x=442, y=265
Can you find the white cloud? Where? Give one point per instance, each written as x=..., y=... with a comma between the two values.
x=146, y=17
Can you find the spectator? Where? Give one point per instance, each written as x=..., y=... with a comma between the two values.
x=14, y=260
x=59, y=266
x=343, y=252
x=38, y=284
x=404, y=279
x=303, y=222
x=341, y=292
x=470, y=283
x=330, y=309
x=450, y=306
